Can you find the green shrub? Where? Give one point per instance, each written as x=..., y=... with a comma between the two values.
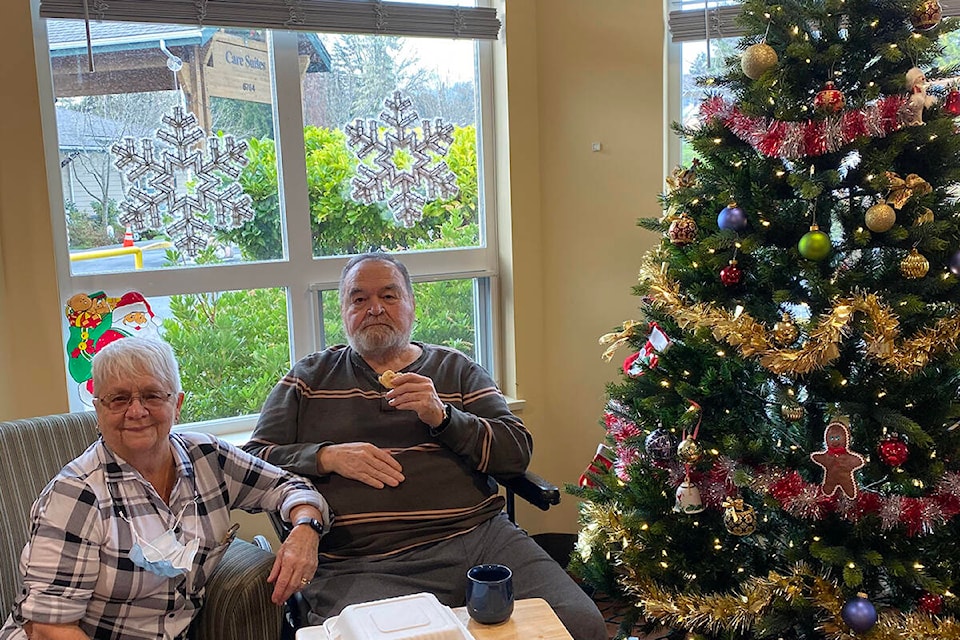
x=85, y=229
x=232, y=348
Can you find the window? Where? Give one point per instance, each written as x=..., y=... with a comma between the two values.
x=208, y=187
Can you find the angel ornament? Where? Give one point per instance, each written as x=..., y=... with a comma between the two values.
x=918, y=100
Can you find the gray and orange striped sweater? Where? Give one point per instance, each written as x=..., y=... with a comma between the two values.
x=333, y=396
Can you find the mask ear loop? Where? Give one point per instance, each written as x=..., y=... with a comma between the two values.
x=137, y=538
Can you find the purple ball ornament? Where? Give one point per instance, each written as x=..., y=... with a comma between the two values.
x=660, y=445
x=859, y=613
x=732, y=218
x=955, y=264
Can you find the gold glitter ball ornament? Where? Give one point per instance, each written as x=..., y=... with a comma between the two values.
x=689, y=451
x=914, y=266
x=785, y=332
x=758, y=59
x=880, y=217
x=791, y=412
x=740, y=519
x=683, y=230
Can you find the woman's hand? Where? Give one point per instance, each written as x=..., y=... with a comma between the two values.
x=40, y=631
x=296, y=563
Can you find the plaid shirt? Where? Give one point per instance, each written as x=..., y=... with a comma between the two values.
x=76, y=567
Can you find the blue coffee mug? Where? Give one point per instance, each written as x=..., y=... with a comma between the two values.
x=490, y=593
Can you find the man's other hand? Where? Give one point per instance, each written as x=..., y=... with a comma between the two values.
x=361, y=461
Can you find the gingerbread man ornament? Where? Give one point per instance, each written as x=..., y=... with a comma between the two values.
x=837, y=461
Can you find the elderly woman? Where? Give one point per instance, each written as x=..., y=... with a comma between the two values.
x=124, y=538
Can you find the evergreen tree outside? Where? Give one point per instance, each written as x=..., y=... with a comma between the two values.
x=788, y=465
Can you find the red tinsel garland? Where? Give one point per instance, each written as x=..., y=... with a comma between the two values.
x=796, y=496
x=805, y=500
x=791, y=140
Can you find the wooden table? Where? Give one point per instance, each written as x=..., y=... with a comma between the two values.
x=532, y=619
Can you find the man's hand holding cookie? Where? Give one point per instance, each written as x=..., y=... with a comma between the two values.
x=386, y=378
x=414, y=393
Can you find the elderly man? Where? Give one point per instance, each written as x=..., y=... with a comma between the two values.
x=403, y=460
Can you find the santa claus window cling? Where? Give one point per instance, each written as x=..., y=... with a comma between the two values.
x=96, y=320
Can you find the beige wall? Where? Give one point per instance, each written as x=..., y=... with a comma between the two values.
x=576, y=73
x=32, y=374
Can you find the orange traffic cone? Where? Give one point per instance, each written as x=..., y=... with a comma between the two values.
x=128, y=238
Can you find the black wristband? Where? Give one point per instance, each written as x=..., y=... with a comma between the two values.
x=446, y=418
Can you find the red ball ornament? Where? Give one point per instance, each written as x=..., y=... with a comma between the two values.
x=731, y=275
x=952, y=103
x=829, y=100
x=893, y=450
x=931, y=603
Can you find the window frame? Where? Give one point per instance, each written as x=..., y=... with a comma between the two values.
x=300, y=273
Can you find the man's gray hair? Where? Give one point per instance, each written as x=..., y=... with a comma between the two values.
x=382, y=257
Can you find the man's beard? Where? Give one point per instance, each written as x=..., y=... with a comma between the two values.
x=378, y=341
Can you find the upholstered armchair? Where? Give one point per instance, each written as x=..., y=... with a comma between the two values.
x=32, y=451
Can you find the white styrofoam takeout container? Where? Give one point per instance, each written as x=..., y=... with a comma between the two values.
x=419, y=616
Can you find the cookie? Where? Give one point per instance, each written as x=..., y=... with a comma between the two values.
x=386, y=378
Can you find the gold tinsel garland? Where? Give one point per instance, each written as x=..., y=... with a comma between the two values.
x=754, y=340
x=740, y=611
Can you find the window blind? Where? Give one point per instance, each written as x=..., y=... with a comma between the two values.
x=721, y=22
x=340, y=16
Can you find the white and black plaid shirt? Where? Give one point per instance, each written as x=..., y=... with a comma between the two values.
x=76, y=567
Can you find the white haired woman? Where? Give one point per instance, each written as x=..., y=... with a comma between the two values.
x=124, y=538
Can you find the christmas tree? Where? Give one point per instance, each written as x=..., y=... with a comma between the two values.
x=782, y=458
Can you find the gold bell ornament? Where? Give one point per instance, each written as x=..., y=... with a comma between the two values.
x=914, y=266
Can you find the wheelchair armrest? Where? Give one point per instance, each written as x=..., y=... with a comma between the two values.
x=538, y=491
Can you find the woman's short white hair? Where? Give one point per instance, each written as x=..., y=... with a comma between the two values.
x=131, y=357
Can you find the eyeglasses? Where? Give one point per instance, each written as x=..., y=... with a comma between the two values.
x=121, y=401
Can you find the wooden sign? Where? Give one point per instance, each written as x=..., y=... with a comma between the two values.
x=239, y=68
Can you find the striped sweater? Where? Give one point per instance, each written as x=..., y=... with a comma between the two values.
x=333, y=397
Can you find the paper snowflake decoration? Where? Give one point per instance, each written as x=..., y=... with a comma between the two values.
x=410, y=167
x=207, y=192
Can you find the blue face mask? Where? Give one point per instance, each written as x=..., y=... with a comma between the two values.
x=165, y=555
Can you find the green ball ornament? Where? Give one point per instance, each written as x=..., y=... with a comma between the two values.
x=815, y=244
